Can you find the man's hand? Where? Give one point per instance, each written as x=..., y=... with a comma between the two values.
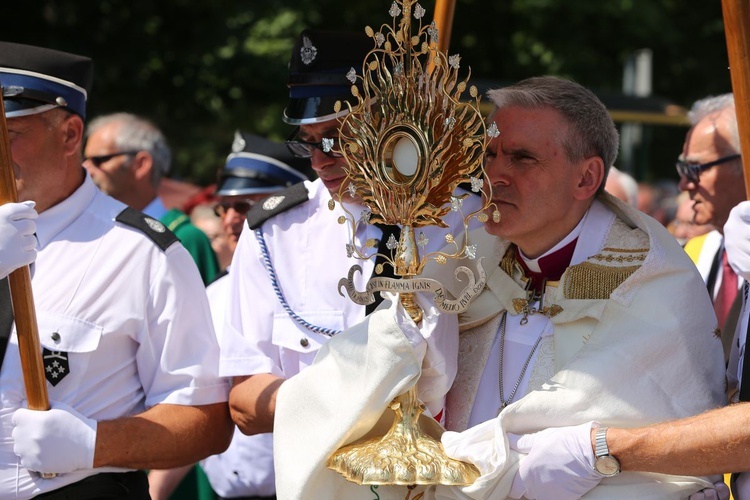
x=720, y=491
x=55, y=441
x=17, y=240
x=559, y=463
x=435, y=339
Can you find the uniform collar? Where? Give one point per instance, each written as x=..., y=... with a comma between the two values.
x=56, y=218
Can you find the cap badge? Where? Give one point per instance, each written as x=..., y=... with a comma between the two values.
x=155, y=225
x=308, y=52
x=239, y=143
x=273, y=202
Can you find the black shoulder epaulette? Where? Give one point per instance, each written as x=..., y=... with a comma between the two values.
x=155, y=230
x=275, y=204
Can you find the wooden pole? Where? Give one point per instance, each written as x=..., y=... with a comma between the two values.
x=21, y=294
x=737, y=31
x=444, y=10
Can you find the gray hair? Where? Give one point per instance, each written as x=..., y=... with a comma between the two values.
x=713, y=104
x=138, y=134
x=593, y=130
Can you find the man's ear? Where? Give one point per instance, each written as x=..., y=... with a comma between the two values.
x=591, y=175
x=143, y=162
x=72, y=129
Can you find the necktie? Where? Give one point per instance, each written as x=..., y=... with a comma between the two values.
x=388, y=230
x=727, y=291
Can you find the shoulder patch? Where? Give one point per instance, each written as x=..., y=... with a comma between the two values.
x=155, y=230
x=277, y=203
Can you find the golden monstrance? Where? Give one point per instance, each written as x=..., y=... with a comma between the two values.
x=409, y=142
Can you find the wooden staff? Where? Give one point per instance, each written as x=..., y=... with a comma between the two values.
x=21, y=295
x=444, y=10
x=737, y=31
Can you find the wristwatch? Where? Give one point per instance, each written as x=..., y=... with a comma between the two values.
x=604, y=463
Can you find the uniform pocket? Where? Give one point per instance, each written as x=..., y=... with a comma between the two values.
x=58, y=332
x=299, y=345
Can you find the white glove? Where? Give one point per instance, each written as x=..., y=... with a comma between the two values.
x=737, y=239
x=435, y=341
x=559, y=463
x=17, y=240
x=57, y=441
x=720, y=491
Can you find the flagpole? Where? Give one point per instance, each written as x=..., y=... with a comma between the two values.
x=737, y=31
x=444, y=10
x=21, y=294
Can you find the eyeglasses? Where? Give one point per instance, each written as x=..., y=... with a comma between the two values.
x=692, y=171
x=331, y=147
x=98, y=160
x=242, y=207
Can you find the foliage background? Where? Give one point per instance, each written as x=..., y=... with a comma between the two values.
x=201, y=69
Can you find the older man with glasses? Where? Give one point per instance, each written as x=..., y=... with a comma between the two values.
x=711, y=173
x=127, y=156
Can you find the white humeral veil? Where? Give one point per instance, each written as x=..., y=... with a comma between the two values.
x=645, y=354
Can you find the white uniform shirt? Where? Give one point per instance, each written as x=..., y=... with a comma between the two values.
x=307, y=247
x=133, y=319
x=245, y=469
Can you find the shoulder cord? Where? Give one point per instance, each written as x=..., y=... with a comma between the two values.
x=328, y=332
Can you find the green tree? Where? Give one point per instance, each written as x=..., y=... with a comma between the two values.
x=202, y=69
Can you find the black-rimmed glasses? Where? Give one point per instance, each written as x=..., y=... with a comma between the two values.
x=98, y=160
x=330, y=146
x=242, y=207
x=692, y=171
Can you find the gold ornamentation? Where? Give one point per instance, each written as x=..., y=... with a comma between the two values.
x=406, y=455
x=508, y=262
x=524, y=306
x=594, y=281
x=409, y=141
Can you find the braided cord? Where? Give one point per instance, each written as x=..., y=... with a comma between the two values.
x=328, y=332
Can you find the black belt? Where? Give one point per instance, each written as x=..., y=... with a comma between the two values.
x=104, y=486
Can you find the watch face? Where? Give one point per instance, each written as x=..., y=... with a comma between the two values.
x=607, y=465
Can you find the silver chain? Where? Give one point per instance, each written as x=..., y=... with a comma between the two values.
x=523, y=370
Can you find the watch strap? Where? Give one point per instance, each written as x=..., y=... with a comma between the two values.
x=600, y=442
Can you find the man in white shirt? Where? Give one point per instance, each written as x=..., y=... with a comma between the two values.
x=284, y=298
x=128, y=346
x=256, y=168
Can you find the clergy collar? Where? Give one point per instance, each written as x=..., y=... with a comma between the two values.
x=553, y=263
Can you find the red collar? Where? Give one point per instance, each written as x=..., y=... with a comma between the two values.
x=552, y=266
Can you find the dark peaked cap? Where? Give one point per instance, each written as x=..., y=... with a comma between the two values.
x=317, y=74
x=34, y=79
x=257, y=166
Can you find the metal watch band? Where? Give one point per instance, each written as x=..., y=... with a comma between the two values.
x=601, y=449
